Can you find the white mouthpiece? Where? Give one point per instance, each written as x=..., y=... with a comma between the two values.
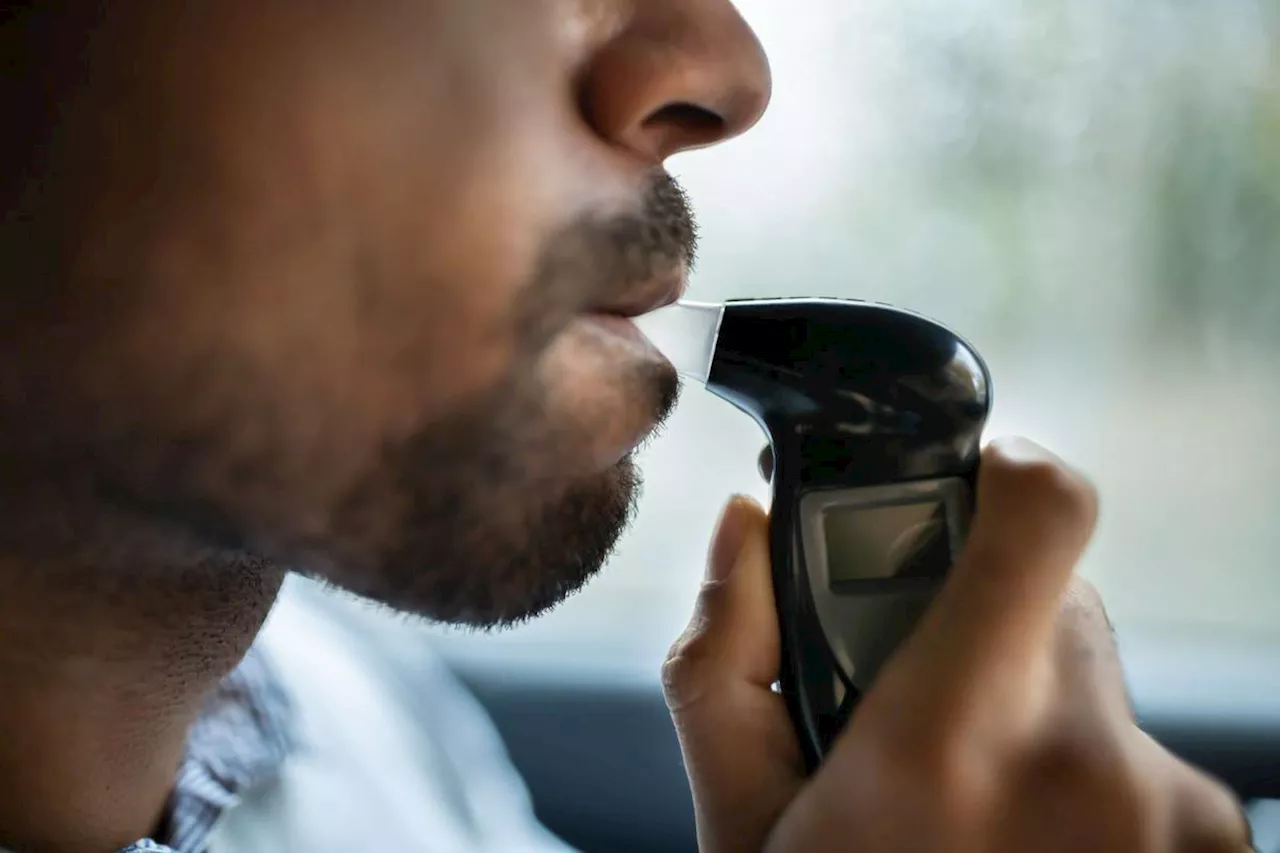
x=686, y=334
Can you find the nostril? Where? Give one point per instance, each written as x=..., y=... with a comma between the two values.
x=692, y=119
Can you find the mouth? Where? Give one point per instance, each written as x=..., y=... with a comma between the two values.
x=615, y=315
x=619, y=326
x=636, y=379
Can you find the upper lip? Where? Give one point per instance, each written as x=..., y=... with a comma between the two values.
x=649, y=296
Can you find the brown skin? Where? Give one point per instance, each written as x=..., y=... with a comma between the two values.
x=317, y=286
x=320, y=286
x=1001, y=726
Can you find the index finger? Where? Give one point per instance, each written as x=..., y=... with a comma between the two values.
x=997, y=612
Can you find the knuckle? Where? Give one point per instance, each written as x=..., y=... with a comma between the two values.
x=684, y=670
x=691, y=659
x=1212, y=819
x=1037, y=482
x=1087, y=661
x=1052, y=487
x=1084, y=595
x=1085, y=766
x=677, y=683
x=1084, y=612
x=1095, y=776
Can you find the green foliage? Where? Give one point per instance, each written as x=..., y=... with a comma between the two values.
x=1142, y=136
x=1215, y=210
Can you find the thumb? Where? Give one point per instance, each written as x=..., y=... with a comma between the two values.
x=739, y=747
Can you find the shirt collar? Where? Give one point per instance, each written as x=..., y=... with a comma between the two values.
x=239, y=742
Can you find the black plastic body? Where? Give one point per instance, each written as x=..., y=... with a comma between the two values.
x=851, y=394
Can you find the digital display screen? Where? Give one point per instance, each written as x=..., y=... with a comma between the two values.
x=879, y=543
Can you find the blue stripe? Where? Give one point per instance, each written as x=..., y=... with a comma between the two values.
x=239, y=742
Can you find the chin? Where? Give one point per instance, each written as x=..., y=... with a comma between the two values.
x=498, y=514
x=497, y=558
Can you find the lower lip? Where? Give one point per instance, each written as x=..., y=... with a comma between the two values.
x=626, y=337
x=622, y=327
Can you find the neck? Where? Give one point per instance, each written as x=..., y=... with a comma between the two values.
x=103, y=669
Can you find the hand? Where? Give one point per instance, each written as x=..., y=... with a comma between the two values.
x=1002, y=725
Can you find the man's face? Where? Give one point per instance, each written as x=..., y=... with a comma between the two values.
x=339, y=283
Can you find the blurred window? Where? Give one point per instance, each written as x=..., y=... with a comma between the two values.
x=1088, y=190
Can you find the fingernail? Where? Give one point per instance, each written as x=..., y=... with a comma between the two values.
x=730, y=532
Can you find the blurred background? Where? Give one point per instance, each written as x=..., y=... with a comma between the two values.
x=1089, y=190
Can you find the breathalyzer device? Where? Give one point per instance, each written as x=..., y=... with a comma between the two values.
x=874, y=415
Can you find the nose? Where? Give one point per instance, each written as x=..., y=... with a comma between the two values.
x=680, y=74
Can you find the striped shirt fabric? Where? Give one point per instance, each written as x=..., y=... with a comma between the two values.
x=239, y=741
x=341, y=730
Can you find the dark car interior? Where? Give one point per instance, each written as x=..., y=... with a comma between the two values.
x=603, y=765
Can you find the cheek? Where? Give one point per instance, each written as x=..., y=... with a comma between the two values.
x=375, y=190
x=353, y=258
x=331, y=260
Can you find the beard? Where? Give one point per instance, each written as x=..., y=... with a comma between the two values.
x=490, y=517
x=486, y=515
x=487, y=529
